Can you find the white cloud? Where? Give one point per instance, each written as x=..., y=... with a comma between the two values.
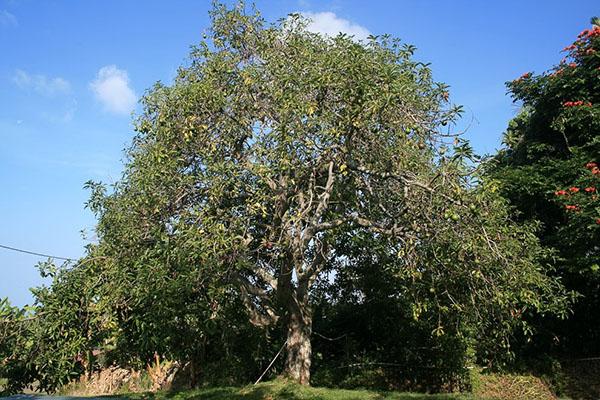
x=111, y=88
x=8, y=20
x=41, y=83
x=329, y=24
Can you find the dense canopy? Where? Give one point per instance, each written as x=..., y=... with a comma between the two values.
x=284, y=172
x=549, y=172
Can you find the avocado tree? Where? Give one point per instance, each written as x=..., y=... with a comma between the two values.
x=274, y=145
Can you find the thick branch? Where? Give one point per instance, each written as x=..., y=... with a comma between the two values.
x=266, y=276
x=394, y=230
x=408, y=181
x=257, y=318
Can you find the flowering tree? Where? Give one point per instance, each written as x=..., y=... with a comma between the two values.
x=582, y=199
x=549, y=172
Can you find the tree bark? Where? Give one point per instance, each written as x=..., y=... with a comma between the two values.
x=298, y=347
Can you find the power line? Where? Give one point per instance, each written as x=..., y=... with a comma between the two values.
x=36, y=254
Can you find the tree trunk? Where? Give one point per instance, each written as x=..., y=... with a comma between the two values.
x=298, y=348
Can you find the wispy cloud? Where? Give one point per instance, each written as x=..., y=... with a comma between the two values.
x=8, y=20
x=41, y=83
x=96, y=164
x=62, y=114
x=329, y=24
x=111, y=88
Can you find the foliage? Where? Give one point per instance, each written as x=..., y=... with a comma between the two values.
x=276, y=153
x=51, y=342
x=422, y=329
x=11, y=339
x=582, y=201
x=83, y=322
x=282, y=171
x=548, y=171
x=165, y=295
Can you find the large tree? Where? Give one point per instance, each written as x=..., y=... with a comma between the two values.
x=275, y=146
x=549, y=172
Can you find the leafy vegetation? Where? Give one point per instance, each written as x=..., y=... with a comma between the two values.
x=305, y=195
x=549, y=172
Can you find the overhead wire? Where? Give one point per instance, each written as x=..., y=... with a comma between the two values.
x=35, y=253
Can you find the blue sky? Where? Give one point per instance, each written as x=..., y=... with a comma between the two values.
x=71, y=72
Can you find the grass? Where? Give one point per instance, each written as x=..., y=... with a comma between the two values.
x=282, y=390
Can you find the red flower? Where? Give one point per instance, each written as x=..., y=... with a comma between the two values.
x=572, y=65
x=591, y=33
x=573, y=189
x=590, y=189
x=572, y=208
x=598, y=221
x=524, y=76
x=595, y=171
x=560, y=192
x=576, y=103
x=591, y=165
x=584, y=33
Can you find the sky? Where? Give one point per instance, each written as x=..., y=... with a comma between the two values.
x=71, y=73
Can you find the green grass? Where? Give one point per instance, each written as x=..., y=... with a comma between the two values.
x=277, y=390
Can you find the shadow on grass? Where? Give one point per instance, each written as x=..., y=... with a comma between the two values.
x=286, y=391
x=258, y=393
